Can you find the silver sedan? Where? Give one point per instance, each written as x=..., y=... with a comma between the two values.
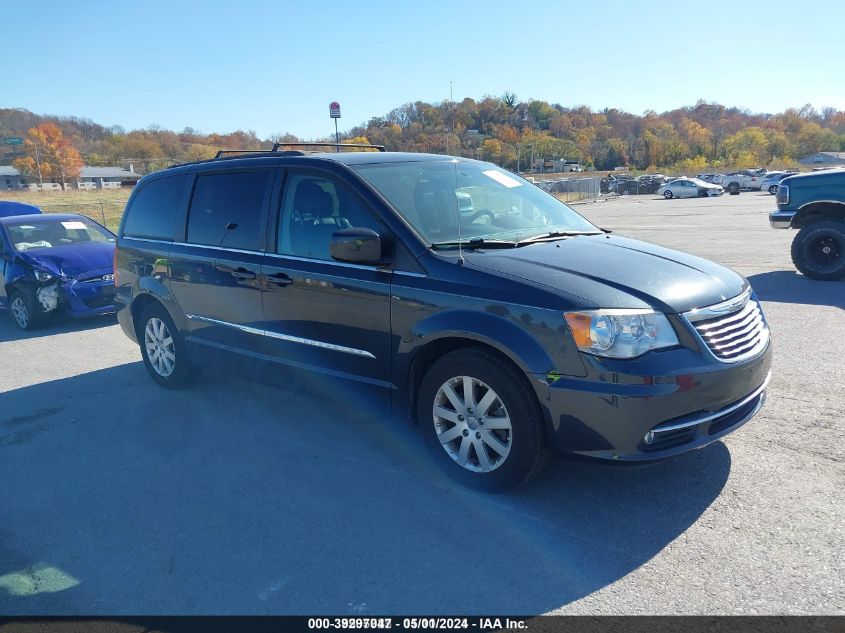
x=689, y=188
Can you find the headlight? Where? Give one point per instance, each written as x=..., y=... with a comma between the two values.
x=620, y=333
x=43, y=275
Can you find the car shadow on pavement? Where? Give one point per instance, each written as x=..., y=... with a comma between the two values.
x=787, y=286
x=235, y=497
x=58, y=324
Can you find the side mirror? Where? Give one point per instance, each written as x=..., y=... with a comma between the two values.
x=357, y=245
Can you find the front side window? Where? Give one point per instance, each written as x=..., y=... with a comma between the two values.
x=227, y=209
x=152, y=214
x=313, y=208
x=54, y=233
x=450, y=200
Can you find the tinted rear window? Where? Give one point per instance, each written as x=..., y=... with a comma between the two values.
x=153, y=211
x=235, y=200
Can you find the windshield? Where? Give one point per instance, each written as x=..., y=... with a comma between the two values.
x=32, y=234
x=491, y=203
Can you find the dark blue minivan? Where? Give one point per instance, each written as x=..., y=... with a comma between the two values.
x=502, y=321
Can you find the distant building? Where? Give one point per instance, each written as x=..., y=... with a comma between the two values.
x=89, y=178
x=823, y=159
x=107, y=177
x=10, y=178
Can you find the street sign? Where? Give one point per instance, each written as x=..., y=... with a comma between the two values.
x=334, y=110
x=17, y=140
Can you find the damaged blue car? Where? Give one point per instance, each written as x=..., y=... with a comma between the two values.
x=55, y=262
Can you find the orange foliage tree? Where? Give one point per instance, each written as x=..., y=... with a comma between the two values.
x=51, y=155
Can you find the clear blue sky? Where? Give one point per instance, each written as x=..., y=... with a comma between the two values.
x=274, y=66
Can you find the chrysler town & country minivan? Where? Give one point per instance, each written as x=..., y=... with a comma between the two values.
x=502, y=321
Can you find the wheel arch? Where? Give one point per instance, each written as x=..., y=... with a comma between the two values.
x=144, y=300
x=432, y=351
x=819, y=210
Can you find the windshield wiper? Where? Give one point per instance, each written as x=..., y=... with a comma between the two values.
x=476, y=242
x=554, y=235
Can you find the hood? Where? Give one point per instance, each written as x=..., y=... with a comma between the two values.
x=73, y=261
x=616, y=272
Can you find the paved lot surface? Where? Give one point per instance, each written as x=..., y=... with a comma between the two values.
x=118, y=497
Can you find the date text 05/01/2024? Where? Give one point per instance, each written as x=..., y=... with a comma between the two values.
x=417, y=623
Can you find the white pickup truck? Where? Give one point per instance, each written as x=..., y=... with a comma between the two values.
x=746, y=179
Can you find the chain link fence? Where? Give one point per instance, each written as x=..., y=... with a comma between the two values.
x=572, y=189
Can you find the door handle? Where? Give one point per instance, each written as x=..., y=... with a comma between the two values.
x=279, y=279
x=243, y=273
x=238, y=273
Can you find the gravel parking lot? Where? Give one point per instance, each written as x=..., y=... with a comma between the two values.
x=234, y=497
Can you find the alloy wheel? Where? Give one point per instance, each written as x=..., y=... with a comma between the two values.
x=161, y=350
x=20, y=312
x=472, y=424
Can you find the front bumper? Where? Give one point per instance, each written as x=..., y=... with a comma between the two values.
x=781, y=219
x=662, y=404
x=81, y=299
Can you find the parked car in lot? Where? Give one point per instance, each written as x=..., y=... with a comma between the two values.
x=9, y=207
x=715, y=179
x=615, y=183
x=640, y=185
x=749, y=179
x=772, y=179
x=55, y=262
x=502, y=332
x=689, y=188
x=814, y=203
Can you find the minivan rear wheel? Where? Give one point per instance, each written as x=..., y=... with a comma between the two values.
x=481, y=420
x=163, y=349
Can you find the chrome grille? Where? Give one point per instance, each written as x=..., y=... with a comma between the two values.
x=733, y=330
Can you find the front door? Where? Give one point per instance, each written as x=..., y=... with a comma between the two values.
x=329, y=320
x=215, y=271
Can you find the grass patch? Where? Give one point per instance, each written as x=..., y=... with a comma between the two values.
x=103, y=205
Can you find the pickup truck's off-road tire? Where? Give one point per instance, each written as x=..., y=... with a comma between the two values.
x=481, y=420
x=818, y=251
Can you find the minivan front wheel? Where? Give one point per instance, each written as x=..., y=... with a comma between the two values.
x=162, y=349
x=481, y=420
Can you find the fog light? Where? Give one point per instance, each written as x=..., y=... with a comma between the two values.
x=649, y=437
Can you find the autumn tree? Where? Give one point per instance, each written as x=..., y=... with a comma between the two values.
x=50, y=155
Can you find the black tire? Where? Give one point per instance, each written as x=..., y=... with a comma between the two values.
x=818, y=251
x=526, y=438
x=182, y=373
x=668, y=194
x=773, y=189
x=25, y=310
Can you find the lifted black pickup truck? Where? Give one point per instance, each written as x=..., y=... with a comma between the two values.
x=815, y=204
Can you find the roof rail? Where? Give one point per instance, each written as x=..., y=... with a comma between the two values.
x=335, y=145
x=292, y=152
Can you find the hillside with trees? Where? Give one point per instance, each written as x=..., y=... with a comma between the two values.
x=504, y=130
